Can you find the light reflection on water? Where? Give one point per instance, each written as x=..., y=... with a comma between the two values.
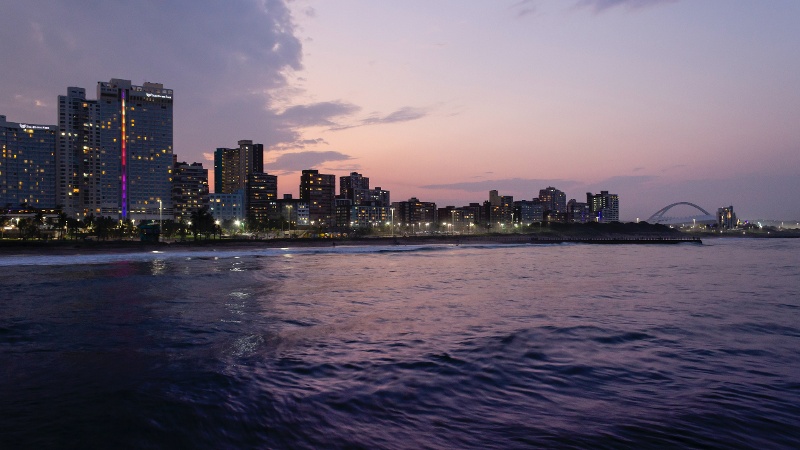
x=438, y=347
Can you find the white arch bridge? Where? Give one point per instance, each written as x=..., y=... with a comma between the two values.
x=704, y=219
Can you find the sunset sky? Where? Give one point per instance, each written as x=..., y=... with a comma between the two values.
x=658, y=101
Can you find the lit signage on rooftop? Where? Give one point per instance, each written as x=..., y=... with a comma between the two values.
x=157, y=95
x=25, y=126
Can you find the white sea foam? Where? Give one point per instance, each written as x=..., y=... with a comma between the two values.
x=106, y=258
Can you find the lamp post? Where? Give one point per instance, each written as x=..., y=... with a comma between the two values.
x=290, y=219
x=159, y=220
x=392, y=210
x=453, y=221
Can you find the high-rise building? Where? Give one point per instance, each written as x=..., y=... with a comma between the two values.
x=262, y=193
x=126, y=170
x=553, y=199
x=114, y=156
x=78, y=154
x=189, y=189
x=357, y=205
x=529, y=211
x=27, y=164
x=500, y=208
x=415, y=211
x=603, y=206
x=232, y=166
x=318, y=190
x=726, y=218
x=354, y=187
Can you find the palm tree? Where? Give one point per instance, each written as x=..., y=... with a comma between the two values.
x=103, y=226
x=72, y=226
x=203, y=222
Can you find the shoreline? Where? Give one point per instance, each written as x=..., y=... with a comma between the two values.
x=71, y=247
x=67, y=247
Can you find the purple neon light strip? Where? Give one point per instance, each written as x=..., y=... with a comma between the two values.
x=124, y=163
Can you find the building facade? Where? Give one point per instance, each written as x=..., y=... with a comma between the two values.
x=529, y=211
x=227, y=207
x=262, y=193
x=189, y=189
x=78, y=163
x=578, y=212
x=232, y=166
x=604, y=206
x=726, y=218
x=135, y=154
x=500, y=209
x=415, y=211
x=27, y=164
x=318, y=191
x=553, y=199
x=354, y=187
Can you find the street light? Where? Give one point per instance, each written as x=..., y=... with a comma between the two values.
x=392, y=210
x=159, y=219
x=290, y=219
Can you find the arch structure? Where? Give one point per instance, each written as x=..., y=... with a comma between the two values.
x=659, y=217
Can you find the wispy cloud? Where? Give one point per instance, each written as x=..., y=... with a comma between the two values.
x=298, y=144
x=297, y=161
x=518, y=185
x=404, y=114
x=316, y=114
x=523, y=8
x=599, y=6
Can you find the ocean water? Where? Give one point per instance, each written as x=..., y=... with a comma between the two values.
x=406, y=347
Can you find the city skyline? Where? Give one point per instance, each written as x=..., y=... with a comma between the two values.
x=657, y=101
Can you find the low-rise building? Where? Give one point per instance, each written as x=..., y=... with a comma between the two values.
x=227, y=206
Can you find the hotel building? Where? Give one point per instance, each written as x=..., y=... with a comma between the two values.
x=135, y=155
x=114, y=154
x=27, y=164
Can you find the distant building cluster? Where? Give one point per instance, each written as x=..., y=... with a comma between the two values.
x=112, y=156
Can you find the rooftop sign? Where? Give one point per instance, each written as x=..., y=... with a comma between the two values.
x=157, y=95
x=25, y=126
